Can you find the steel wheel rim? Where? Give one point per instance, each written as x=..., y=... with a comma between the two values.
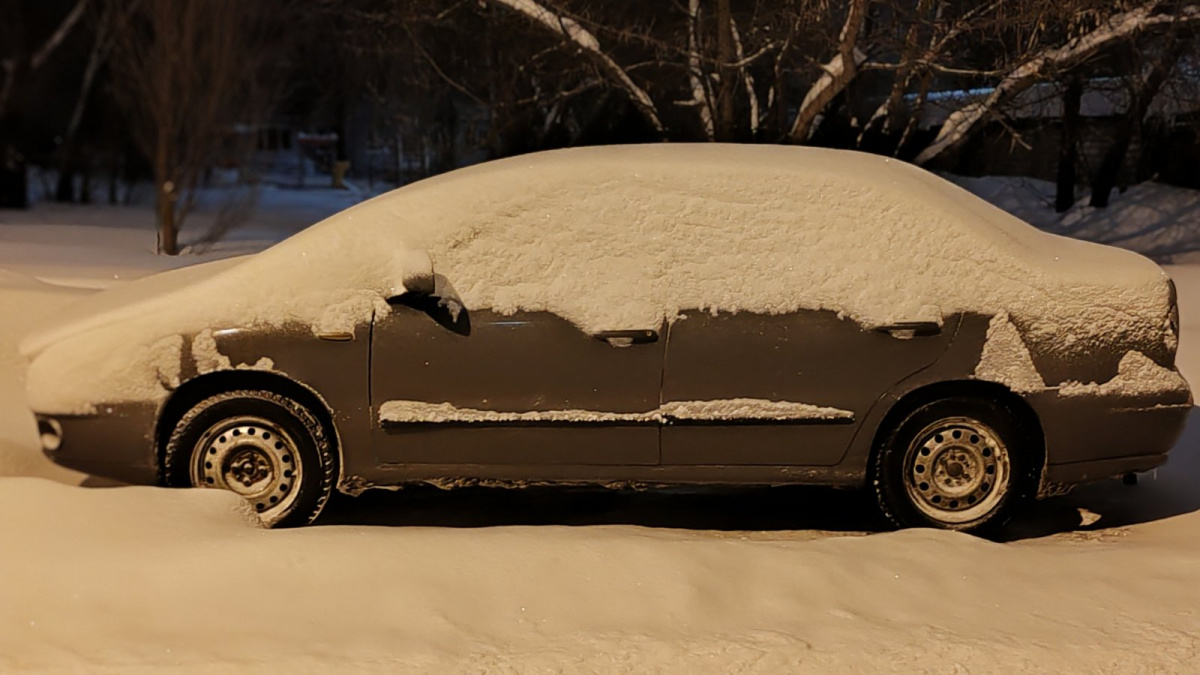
x=253, y=458
x=956, y=470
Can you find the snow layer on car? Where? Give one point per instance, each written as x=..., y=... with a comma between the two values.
x=1137, y=375
x=626, y=238
x=1006, y=359
x=408, y=412
x=750, y=408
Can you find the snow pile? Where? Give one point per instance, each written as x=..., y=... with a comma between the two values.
x=24, y=300
x=627, y=238
x=408, y=412
x=148, y=579
x=1137, y=375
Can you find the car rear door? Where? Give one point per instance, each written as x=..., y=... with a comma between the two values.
x=823, y=373
x=485, y=389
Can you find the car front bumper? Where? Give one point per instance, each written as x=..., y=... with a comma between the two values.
x=116, y=442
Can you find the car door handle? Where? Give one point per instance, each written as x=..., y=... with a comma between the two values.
x=911, y=329
x=625, y=338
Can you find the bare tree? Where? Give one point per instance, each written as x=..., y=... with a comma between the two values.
x=186, y=72
x=1044, y=62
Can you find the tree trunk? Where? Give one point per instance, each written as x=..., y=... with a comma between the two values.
x=168, y=234
x=1141, y=95
x=726, y=113
x=65, y=191
x=1068, y=149
x=14, y=193
x=164, y=200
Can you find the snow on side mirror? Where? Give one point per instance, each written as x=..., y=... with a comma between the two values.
x=422, y=283
x=416, y=273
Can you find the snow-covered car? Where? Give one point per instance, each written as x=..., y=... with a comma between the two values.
x=644, y=315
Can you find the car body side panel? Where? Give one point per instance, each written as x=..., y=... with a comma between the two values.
x=812, y=357
x=520, y=363
x=336, y=371
x=1086, y=437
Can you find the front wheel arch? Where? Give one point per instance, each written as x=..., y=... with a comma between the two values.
x=197, y=389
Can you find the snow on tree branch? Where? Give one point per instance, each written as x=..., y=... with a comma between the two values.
x=839, y=72
x=962, y=122
x=700, y=96
x=570, y=30
x=747, y=77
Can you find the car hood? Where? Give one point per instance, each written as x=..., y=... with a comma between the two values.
x=120, y=303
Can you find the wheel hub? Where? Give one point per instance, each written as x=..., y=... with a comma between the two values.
x=252, y=457
x=956, y=470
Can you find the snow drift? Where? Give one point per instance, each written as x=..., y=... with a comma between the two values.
x=629, y=237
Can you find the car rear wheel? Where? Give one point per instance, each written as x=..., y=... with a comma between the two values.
x=955, y=464
x=264, y=447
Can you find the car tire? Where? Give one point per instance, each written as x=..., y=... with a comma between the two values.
x=260, y=445
x=953, y=464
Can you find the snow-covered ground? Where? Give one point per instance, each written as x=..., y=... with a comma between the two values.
x=133, y=579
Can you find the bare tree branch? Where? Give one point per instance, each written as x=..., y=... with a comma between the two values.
x=60, y=34
x=570, y=30
x=839, y=72
x=1119, y=27
x=701, y=96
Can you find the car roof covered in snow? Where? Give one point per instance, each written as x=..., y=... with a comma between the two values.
x=627, y=237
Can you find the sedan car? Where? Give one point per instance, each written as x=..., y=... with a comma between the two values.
x=634, y=316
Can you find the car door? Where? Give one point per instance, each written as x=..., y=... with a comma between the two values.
x=811, y=376
x=451, y=385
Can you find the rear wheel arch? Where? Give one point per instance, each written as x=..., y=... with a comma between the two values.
x=1028, y=426
x=197, y=389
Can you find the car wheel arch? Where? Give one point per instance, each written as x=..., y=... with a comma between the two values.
x=197, y=389
x=912, y=400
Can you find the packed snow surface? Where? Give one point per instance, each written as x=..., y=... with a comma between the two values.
x=626, y=238
x=404, y=412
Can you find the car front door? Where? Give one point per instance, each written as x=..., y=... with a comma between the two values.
x=786, y=390
x=455, y=386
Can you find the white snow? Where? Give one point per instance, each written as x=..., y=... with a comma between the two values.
x=1137, y=375
x=626, y=238
x=750, y=408
x=724, y=409
x=417, y=411
x=1006, y=359
x=204, y=350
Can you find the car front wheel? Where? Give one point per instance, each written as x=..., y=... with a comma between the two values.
x=264, y=447
x=955, y=464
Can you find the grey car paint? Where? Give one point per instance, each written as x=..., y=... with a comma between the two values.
x=537, y=361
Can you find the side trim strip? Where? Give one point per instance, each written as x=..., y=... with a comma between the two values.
x=664, y=421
